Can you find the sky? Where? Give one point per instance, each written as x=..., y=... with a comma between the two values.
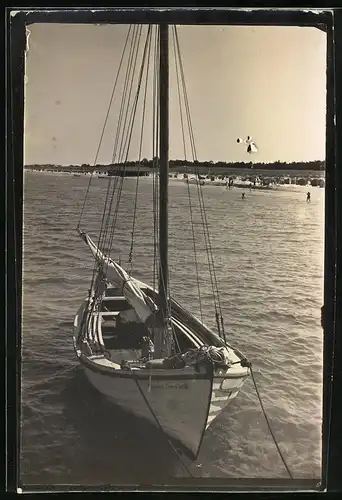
x=265, y=82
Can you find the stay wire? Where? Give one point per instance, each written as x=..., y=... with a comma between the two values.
x=149, y=37
x=127, y=143
x=199, y=190
x=127, y=83
x=129, y=137
x=104, y=228
x=112, y=216
x=129, y=87
x=106, y=243
x=269, y=425
x=193, y=147
x=91, y=305
x=124, y=91
x=104, y=231
x=105, y=123
x=127, y=125
x=133, y=49
x=212, y=271
x=189, y=194
x=192, y=140
x=111, y=188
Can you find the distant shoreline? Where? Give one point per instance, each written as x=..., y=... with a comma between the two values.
x=218, y=168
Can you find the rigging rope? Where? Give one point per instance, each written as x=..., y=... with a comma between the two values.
x=105, y=124
x=102, y=233
x=158, y=424
x=205, y=225
x=128, y=83
x=92, y=302
x=109, y=216
x=109, y=230
x=132, y=66
x=129, y=78
x=124, y=91
x=189, y=195
x=269, y=425
x=130, y=132
x=130, y=257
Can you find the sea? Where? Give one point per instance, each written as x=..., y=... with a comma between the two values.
x=268, y=254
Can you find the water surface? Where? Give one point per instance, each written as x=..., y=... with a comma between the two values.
x=268, y=251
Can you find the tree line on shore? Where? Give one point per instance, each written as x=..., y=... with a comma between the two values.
x=316, y=165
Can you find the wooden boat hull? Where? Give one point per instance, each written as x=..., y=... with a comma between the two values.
x=223, y=391
x=182, y=402
x=177, y=404
x=182, y=405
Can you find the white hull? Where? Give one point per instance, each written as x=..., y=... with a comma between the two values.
x=182, y=402
x=220, y=397
x=179, y=406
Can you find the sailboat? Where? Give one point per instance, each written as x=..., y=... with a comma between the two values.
x=139, y=346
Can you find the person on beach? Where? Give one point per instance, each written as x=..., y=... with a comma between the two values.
x=243, y=196
x=308, y=196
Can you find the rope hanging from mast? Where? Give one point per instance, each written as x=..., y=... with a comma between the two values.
x=149, y=37
x=121, y=149
x=109, y=216
x=185, y=158
x=104, y=125
x=204, y=221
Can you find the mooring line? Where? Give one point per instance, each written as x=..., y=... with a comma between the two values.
x=269, y=426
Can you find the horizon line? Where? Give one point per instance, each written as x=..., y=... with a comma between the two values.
x=146, y=161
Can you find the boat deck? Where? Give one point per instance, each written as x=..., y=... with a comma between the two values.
x=122, y=341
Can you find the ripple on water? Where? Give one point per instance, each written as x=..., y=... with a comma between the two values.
x=269, y=265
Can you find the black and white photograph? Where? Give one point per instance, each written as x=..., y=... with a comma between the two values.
x=173, y=253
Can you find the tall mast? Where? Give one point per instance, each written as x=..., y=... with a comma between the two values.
x=163, y=176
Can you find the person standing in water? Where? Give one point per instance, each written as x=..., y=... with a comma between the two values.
x=308, y=196
x=243, y=196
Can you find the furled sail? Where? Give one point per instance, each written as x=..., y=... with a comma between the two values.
x=143, y=305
